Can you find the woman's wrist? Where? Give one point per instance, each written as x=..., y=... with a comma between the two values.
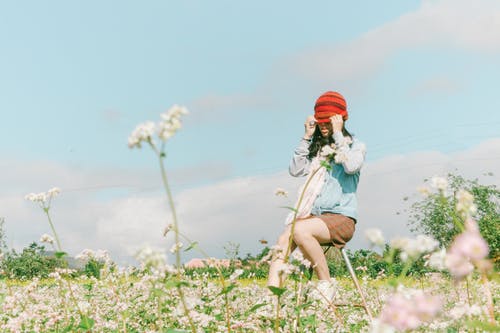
x=306, y=138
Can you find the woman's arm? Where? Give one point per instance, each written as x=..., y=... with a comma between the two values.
x=351, y=158
x=299, y=165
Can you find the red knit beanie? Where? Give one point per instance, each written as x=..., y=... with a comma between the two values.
x=330, y=104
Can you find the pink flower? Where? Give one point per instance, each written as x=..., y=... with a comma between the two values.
x=409, y=312
x=470, y=245
x=458, y=265
x=399, y=313
x=427, y=307
x=468, y=248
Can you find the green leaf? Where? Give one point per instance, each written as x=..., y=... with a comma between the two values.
x=175, y=330
x=70, y=327
x=291, y=208
x=326, y=164
x=86, y=323
x=393, y=282
x=227, y=289
x=484, y=327
x=176, y=284
x=60, y=254
x=255, y=307
x=191, y=246
x=277, y=291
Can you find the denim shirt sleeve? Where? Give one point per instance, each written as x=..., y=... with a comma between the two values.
x=299, y=165
x=354, y=155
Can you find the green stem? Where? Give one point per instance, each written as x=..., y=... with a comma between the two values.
x=222, y=281
x=298, y=291
x=290, y=240
x=390, y=259
x=160, y=155
x=277, y=321
x=405, y=270
x=46, y=210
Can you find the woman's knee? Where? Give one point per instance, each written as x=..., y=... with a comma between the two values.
x=300, y=234
x=283, y=240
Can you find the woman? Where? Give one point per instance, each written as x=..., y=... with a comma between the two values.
x=328, y=210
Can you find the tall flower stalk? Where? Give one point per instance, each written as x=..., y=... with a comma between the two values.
x=44, y=199
x=169, y=124
x=325, y=156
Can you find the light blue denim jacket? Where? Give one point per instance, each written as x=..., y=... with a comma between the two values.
x=338, y=194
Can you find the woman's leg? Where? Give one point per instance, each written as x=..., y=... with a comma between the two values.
x=275, y=279
x=308, y=235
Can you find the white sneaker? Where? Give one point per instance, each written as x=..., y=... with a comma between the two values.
x=323, y=291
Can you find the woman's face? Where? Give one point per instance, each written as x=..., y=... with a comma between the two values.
x=326, y=129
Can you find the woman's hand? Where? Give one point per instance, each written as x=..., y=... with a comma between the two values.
x=337, y=123
x=309, y=126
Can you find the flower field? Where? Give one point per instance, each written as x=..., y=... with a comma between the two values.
x=127, y=301
x=420, y=284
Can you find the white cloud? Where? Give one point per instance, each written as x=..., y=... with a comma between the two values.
x=437, y=85
x=467, y=25
x=472, y=26
x=241, y=210
x=218, y=107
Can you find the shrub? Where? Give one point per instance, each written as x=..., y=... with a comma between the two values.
x=434, y=214
x=32, y=262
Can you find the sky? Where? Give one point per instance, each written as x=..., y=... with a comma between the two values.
x=420, y=79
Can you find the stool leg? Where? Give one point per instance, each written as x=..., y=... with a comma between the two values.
x=355, y=279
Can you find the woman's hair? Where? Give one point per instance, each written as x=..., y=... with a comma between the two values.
x=318, y=141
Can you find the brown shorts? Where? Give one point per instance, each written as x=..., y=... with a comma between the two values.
x=341, y=228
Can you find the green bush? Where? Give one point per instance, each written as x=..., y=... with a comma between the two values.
x=372, y=264
x=434, y=214
x=31, y=262
x=93, y=268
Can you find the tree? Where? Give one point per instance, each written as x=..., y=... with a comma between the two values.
x=434, y=215
x=3, y=244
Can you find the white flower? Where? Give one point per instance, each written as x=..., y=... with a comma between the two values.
x=425, y=243
x=377, y=326
x=465, y=203
x=85, y=255
x=412, y=248
x=236, y=274
x=399, y=242
x=437, y=260
x=424, y=190
x=170, y=122
x=439, y=183
x=287, y=269
x=45, y=238
x=43, y=197
x=150, y=257
x=297, y=255
x=326, y=151
x=54, y=191
x=167, y=229
x=375, y=236
x=143, y=132
x=102, y=256
x=280, y=192
x=176, y=247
